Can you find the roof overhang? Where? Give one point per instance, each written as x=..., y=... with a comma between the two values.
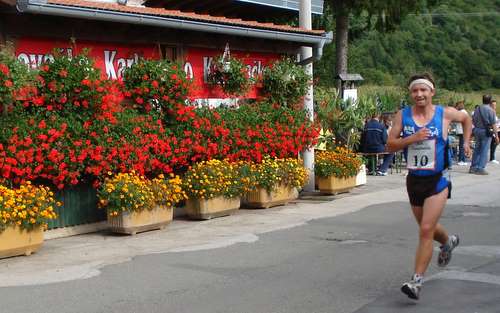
x=260, y=9
x=112, y=13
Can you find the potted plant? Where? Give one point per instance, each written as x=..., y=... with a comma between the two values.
x=336, y=170
x=285, y=82
x=214, y=189
x=24, y=213
x=275, y=182
x=230, y=74
x=135, y=204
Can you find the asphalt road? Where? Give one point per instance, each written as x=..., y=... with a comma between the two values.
x=351, y=263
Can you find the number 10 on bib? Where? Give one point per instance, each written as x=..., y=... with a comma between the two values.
x=422, y=155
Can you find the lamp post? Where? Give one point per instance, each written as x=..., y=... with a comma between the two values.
x=307, y=52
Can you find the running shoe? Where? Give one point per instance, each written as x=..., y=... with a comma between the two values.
x=412, y=288
x=444, y=256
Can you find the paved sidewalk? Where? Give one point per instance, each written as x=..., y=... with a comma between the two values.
x=82, y=256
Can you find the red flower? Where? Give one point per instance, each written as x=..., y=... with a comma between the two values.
x=8, y=83
x=39, y=101
x=4, y=69
x=52, y=86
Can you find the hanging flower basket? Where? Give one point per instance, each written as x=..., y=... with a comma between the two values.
x=229, y=74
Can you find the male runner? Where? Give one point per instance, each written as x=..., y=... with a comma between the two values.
x=422, y=131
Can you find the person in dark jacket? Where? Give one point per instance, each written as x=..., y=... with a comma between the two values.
x=389, y=157
x=374, y=139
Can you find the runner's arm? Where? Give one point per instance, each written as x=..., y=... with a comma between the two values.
x=456, y=116
x=395, y=142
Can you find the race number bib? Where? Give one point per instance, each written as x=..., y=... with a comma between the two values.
x=422, y=155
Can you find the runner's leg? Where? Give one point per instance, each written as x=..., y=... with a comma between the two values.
x=431, y=212
x=440, y=234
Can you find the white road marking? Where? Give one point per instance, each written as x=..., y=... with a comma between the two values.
x=475, y=214
x=467, y=276
x=484, y=251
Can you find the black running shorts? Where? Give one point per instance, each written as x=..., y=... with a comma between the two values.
x=422, y=187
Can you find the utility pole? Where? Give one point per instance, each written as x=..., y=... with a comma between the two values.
x=307, y=52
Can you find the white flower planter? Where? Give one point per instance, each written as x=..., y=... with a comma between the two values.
x=361, y=177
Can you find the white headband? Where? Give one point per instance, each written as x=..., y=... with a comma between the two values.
x=421, y=81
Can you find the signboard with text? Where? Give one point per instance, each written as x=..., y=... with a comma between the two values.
x=113, y=59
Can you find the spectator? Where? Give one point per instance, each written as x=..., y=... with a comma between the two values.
x=483, y=119
x=374, y=139
x=388, y=158
x=494, y=143
x=459, y=132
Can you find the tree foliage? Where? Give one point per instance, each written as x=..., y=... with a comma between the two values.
x=457, y=40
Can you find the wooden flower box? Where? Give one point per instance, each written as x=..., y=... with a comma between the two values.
x=262, y=199
x=133, y=222
x=17, y=241
x=205, y=209
x=334, y=185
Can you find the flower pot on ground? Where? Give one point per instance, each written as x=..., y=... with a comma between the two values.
x=214, y=188
x=205, y=209
x=361, y=176
x=334, y=185
x=336, y=170
x=23, y=216
x=136, y=204
x=275, y=182
x=263, y=199
x=133, y=222
x=15, y=240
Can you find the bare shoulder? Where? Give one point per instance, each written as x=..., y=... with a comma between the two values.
x=452, y=114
